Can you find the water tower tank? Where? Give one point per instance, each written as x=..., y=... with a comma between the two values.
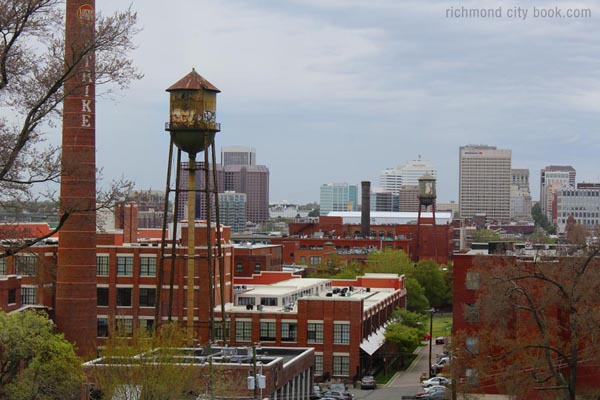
x=427, y=193
x=192, y=113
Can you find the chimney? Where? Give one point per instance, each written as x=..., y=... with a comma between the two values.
x=365, y=215
x=130, y=223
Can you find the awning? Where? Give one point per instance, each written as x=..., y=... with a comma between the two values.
x=371, y=344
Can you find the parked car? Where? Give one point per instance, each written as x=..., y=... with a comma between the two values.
x=336, y=394
x=368, y=382
x=342, y=388
x=436, y=392
x=436, y=380
x=316, y=393
x=440, y=365
x=440, y=340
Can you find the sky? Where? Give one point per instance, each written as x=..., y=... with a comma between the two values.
x=338, y=90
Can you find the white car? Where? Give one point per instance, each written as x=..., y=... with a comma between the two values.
x=436, y=380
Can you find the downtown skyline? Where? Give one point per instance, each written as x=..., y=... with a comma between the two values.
x=337, y=91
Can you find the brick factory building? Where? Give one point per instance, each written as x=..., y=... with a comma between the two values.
x=342, y=319
x=339, y=238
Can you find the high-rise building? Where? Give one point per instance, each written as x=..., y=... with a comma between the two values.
x=552, y=179
x=338, y=197
x=252, y=180
x=232, y=210
x=520, y=196
x=238, y=155
x=392, y=179
x=484, y=182
x=382, y=200
x=580, y=204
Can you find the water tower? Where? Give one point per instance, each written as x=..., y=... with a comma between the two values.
x=426, y=196
x=192, y=127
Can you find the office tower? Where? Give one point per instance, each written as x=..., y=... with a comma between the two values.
x=578, y=205
x=392, y=179
x=338, y=197
x=520, y=196
x=382, y=200
x=484, y=182
x=408, y=198
x=552, y=179
x=238, y=155
x=251, y=180
x=232, y=210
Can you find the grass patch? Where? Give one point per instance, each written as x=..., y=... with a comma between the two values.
x=442, y=326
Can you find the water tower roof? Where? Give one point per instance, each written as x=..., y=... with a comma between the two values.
x=193, y=81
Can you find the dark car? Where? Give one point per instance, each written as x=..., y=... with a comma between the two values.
x=368, y=382
x=334, y=394
x=440, y=340
x=341, y=388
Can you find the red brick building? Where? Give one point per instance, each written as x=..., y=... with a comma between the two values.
x=329, y=238
x=253, y=258
x=475, y=332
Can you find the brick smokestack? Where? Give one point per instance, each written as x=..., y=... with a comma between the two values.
x=365, y=214
x=75, y=306
x=130, y=223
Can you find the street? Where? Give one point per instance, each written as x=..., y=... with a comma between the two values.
x=404, y=383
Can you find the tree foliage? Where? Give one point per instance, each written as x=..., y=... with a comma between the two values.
x=541, y=220
x=33, y=73
x=145, y=365
x=35, y=362
x=540, y=323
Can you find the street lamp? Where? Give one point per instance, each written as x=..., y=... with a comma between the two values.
x=431, y=312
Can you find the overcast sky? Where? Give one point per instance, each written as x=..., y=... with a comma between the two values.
x=337, y=90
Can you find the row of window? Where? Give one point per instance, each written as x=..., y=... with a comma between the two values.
x=123, y=326
x=341, y=365
x=125, y=266
x=124, y=297
x=25, y=264
x=240, y=267
x=289, y=332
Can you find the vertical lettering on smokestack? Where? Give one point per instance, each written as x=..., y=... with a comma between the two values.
x=75, y=306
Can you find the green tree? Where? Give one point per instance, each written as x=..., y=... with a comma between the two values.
x=36, y=363
x=404, y=338
x=411, y=319
x=431, y=278
x=541, y=220
x=148, y=363
x=416, y=299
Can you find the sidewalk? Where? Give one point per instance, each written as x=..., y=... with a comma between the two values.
x=410, y=378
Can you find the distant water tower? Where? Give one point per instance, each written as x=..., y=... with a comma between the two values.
x=192, y=126
x=427, y=195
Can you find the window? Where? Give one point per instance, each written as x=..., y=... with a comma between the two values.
x=341, y=333
x=28, y=295
x=3, y=268
x=318, y=364
x=219, y=330
x=472, y=377
x=268, y=301
x=289, y=331
x=471, y=313
x=102, y=327
x=472, y=344
x=472, y=281
x=243, y=331
x=102, y=295
x=147, y=266
x=315, y=260
x=124, y=327
x=239, y=268
x=26, y=265
x=268, y=331
x=243, y=301
x=146, y=324
x=256, y=267
x=124, y=266
x=12, y=296
x=102, y=265
x=147, y=297
x=341, y=365
x=315, y=332
x=123, y=297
